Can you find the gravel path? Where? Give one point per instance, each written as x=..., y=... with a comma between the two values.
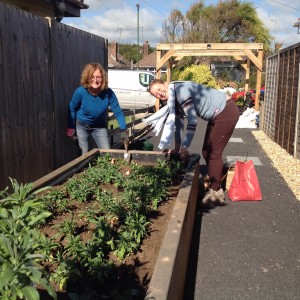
x=285, y=164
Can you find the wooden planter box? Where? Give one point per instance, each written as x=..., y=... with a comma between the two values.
x=168, y=279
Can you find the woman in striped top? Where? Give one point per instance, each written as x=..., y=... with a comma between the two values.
x=193, y=100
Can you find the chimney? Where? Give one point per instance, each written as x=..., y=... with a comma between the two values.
x=114, y=49
x=145, y=49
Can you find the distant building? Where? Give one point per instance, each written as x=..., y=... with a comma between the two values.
x=232, y=69
x=56, y=9
x=115, y=59
x=148, y=62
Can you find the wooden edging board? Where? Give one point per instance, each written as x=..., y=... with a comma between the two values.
x=168, y=279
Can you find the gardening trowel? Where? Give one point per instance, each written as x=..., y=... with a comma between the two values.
x=127, y=155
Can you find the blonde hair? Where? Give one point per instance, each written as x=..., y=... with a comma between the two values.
x=88, y=72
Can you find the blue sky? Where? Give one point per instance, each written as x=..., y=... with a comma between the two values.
x=117, y=20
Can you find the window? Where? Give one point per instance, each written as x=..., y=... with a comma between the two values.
x=145, y=79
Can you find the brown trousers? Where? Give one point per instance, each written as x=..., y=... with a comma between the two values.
x=217, y=135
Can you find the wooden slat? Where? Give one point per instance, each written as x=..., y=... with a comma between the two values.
x=165, y=58
x=26, y=102
x=180, y=53
x=213, y=46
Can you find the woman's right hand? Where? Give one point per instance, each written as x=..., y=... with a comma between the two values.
x=173, y=151
x=70, y=132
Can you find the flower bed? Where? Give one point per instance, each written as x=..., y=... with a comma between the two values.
x=89, y=225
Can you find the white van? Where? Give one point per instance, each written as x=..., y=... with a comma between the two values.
x=130, y=87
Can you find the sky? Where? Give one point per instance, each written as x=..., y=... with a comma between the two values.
x=128, y=21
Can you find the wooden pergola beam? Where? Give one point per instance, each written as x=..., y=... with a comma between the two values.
x=165, y=58
x=254, y=59
x=209, y=53
x=236, y=50
x=211, y=46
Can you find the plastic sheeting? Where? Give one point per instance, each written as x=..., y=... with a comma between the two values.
x=248, y=119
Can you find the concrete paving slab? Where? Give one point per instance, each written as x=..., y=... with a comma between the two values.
x=232, y=159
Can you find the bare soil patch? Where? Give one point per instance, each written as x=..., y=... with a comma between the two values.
x=132, y=274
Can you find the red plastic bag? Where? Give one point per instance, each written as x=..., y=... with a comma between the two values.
x=245, y=184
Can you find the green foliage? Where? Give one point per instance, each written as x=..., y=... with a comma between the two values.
x=20, y=244
x=200, y=74
x=132, y=52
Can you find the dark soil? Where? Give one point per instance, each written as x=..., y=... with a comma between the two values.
x=135, y=271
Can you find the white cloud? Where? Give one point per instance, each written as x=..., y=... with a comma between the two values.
x=283, y=17
x=121, y=25
x=117, y=19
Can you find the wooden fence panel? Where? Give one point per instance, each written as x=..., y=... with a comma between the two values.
x=40, y=67
x=270, y=97
x=297, y=127
x=26, y=102
x=71, y=50
x=282, y=99
x=287, y=99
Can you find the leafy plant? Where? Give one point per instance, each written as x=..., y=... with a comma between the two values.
x=66, y=271
x=20, y=243
x=198, y=73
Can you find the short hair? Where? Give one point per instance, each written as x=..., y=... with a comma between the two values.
x=87, y=74
x=154, y=81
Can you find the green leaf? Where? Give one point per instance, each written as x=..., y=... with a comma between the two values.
x=43, y=215
x=30, y=293
x=5, y=245
x=41, y=190
x=51, y=292
x=6, y=277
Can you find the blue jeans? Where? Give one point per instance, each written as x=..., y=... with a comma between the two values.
x=84, y=131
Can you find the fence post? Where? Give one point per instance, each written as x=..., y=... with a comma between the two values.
x=112, y=136
x=297, y=125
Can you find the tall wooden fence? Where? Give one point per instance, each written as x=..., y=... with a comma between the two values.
x=281, y=107
x=40, y=66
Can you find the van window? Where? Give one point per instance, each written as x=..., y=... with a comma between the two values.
x=145, y=79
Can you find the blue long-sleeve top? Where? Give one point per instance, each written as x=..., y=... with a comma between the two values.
x=91, y=109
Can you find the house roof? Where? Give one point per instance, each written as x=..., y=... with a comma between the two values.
x=115, y=59
x=148, y=61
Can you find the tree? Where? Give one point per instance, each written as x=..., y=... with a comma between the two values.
x=129, y=51
x=226, y=22
x=172, y=29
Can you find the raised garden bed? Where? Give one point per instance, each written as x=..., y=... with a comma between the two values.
x=74, y=223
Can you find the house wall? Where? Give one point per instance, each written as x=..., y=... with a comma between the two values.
x=233, y=70
x=40, y=67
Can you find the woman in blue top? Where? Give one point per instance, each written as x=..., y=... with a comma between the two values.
x=192, y=100
x=88, y=108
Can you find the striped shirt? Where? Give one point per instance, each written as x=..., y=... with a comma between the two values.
x=194, y=100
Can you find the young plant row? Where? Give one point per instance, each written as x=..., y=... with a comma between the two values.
x=69, y=236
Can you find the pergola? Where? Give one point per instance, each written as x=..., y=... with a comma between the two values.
x=172, y=53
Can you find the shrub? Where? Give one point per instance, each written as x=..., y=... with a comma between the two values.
x=200, y=74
